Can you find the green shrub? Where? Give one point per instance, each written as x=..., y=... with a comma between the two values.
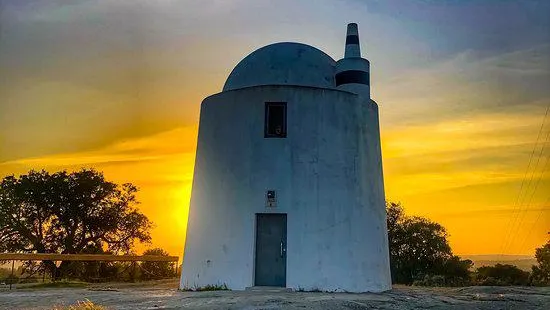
x=500, y=275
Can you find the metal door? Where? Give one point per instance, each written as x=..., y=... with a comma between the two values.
x=270, y=250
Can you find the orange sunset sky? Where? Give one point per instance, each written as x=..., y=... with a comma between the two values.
x=462, y=86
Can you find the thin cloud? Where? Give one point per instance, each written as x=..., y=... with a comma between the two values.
x=163, y=146
x=466, y=85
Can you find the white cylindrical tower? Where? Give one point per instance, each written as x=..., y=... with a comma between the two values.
x=288, y=188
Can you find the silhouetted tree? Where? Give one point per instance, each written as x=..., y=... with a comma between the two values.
x=500, y=274
x=540, y=274
x=156, y=270
x=419, y=248
x=456, y=271
x=67, y=212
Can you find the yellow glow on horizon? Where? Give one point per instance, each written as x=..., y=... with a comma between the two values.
x=466, y=175
x=120, y=91
x=452, y=187
x=160, y=165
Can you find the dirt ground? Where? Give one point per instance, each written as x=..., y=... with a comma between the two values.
x=163, y=295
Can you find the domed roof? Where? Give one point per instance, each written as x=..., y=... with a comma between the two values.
x=283, y=64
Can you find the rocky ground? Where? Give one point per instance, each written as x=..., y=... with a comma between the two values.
x=163, y=295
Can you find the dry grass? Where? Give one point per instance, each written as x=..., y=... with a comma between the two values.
x=82, y=305
x=58, y=284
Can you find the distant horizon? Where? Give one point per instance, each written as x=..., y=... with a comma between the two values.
x=500, y=256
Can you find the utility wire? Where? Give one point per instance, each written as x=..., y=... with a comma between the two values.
x=534, y=191
x=517, y=207
x=524, y=211
x=539, y=216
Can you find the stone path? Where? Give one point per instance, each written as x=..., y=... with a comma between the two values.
x=161, y=297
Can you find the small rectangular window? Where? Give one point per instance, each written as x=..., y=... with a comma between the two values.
x=275, y=120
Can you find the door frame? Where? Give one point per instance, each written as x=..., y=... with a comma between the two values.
x=255, y=250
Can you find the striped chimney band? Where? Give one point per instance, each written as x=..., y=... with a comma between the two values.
x=352, y=77
x=352, y=42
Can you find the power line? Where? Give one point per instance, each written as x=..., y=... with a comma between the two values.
x=539, y=216
x=507, y=237
x=524, y=211
x=535, y=189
